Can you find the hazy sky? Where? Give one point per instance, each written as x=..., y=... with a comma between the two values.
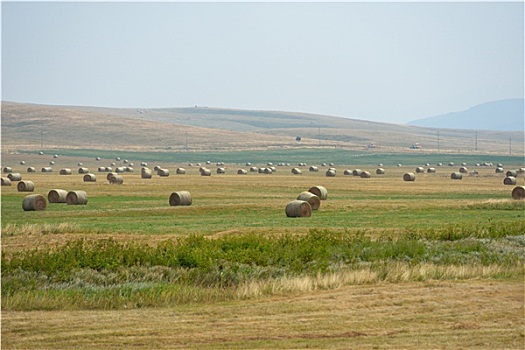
x=391, y=61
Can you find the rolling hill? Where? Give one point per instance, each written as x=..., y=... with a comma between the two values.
x=32, y=127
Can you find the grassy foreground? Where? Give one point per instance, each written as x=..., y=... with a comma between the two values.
x=435, y=263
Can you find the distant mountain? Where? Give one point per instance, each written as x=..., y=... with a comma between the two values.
x=502, y=115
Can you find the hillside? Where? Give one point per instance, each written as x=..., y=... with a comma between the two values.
x=503, y=115
x=31, y=127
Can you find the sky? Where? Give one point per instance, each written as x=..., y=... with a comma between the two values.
x=380, y=61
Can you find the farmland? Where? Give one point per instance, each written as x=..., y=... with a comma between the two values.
x=434, y=263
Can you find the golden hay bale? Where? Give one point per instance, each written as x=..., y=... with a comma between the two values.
x=357, y=172
x=380, y=171
x=205, y=172
x=120, y=169
x=319, y=191
x=163, y=172
x=47, y=169
x=518, y=192
x=254, y=169
x=90, y=178
x=110, y=175
x=8, y=169
x=456, y=176
x=180, y=198
x=513, y=173
x=499, y=170
x=311, y=198
x=347, y=172
x=298, y=209
x=76, y=198
x=431, y=170
x=101, y=169
x=330, y=173
x=128, y=169
x=463, y=170
x=25, y=186
x=57, y=196
x=296, y=171
x=221, y=171
x=83, y=170
x=14, y=176
x=268, y=170
x=509, y=180
x=242, y=172
x=116, y=180
x=31, y=169
x=65, y=171
x=409, y=177
x=365, y=175
x=180, y=171
x=313, y=169
x=420, y=170
x=146, y=173
x=6, y=181
x=34, y=202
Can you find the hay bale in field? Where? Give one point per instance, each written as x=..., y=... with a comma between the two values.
x=101, y=169
x=420, y=170
x=518, y=192
x=298, y=208
x=14, y=176
x=25, y=186
x=347, y=172
x=242, y=172
x=80, y=164
x=31, y=169
x=120, y=169
x=509, y=180
x=365, y=175
x=108, y=169
x=117, y=159
x=143, y=164
x=46, y=169
x=248, y=164
x=499, y=170
x=463, y=170
x=34, y=202
x=76, y=198
x=90, y=178
x=55, y=156
x=8, y=170
x=128, y=169
x=180, y=171
x=330, y=173
x=296, y=171
x=180, y=198
x=163, y=172
x=206, y=172
x=221, y=171
x=116, y=179
x=254, y=169
x=380, y=171
x=313, y=169
x=409, y=177
x=456, y=176
x=357, y=172
x=6, y=181
x=145, y=173
x=22, y=162
x=451, y=164
x=97, y=158
x=319, y=191
x=51, y=163
x=431, y=170
x=521, y=171
x=65, y=171
x=57, y=196
x=311, y=198
x=110, y=175
x=513, y=173
x=268, y=170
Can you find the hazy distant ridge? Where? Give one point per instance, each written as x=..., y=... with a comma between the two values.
x=503, y=115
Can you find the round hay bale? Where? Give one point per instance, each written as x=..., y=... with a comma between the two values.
x=145, y=173
x=319, y=191
x=76, y=198
x=51, y=163
x=116, y=180
x=268, y=170
x=108, y=169
x=518, y=192
x=513, y=173
x=357, y=172
x=25, y=186
x=206, y=172
x=254, y=169
x=311, y=198
x=420, y=170
x=221, y=171
x=330, y=173
x=34, y=202
x=180, y=198
x=14, y=176
x=456, y=176
x=22, y=162
x=65, y=171
x=509, y=180
x=451, y=164
x=180, y=171
x=274, y=169
x=163, y=172
x=431, y=170
x=296, y=171
x=248, y=164
x=347, y=172
x=298, y=209
x=261, y=170
x=47, y=169
x=521, y=171
x=144, y=164
x=6, y=181
x=41, y=153
x=57, y=196
x=8, y=170
x=409, y=177
x=120, y=169
x=110, y=175
x=365, y=175
x=380, y=171
x=55, y=156
x=117, y=159
x=313, y=169
x=101, y=169
x=499, y=170
x=97, y=158
x=128, y=169
x=90, y=178
x=80, y=164
x=31, y=169
x=242, y=172
x=463, y=170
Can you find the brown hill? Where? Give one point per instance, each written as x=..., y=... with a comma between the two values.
x=30, y=126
